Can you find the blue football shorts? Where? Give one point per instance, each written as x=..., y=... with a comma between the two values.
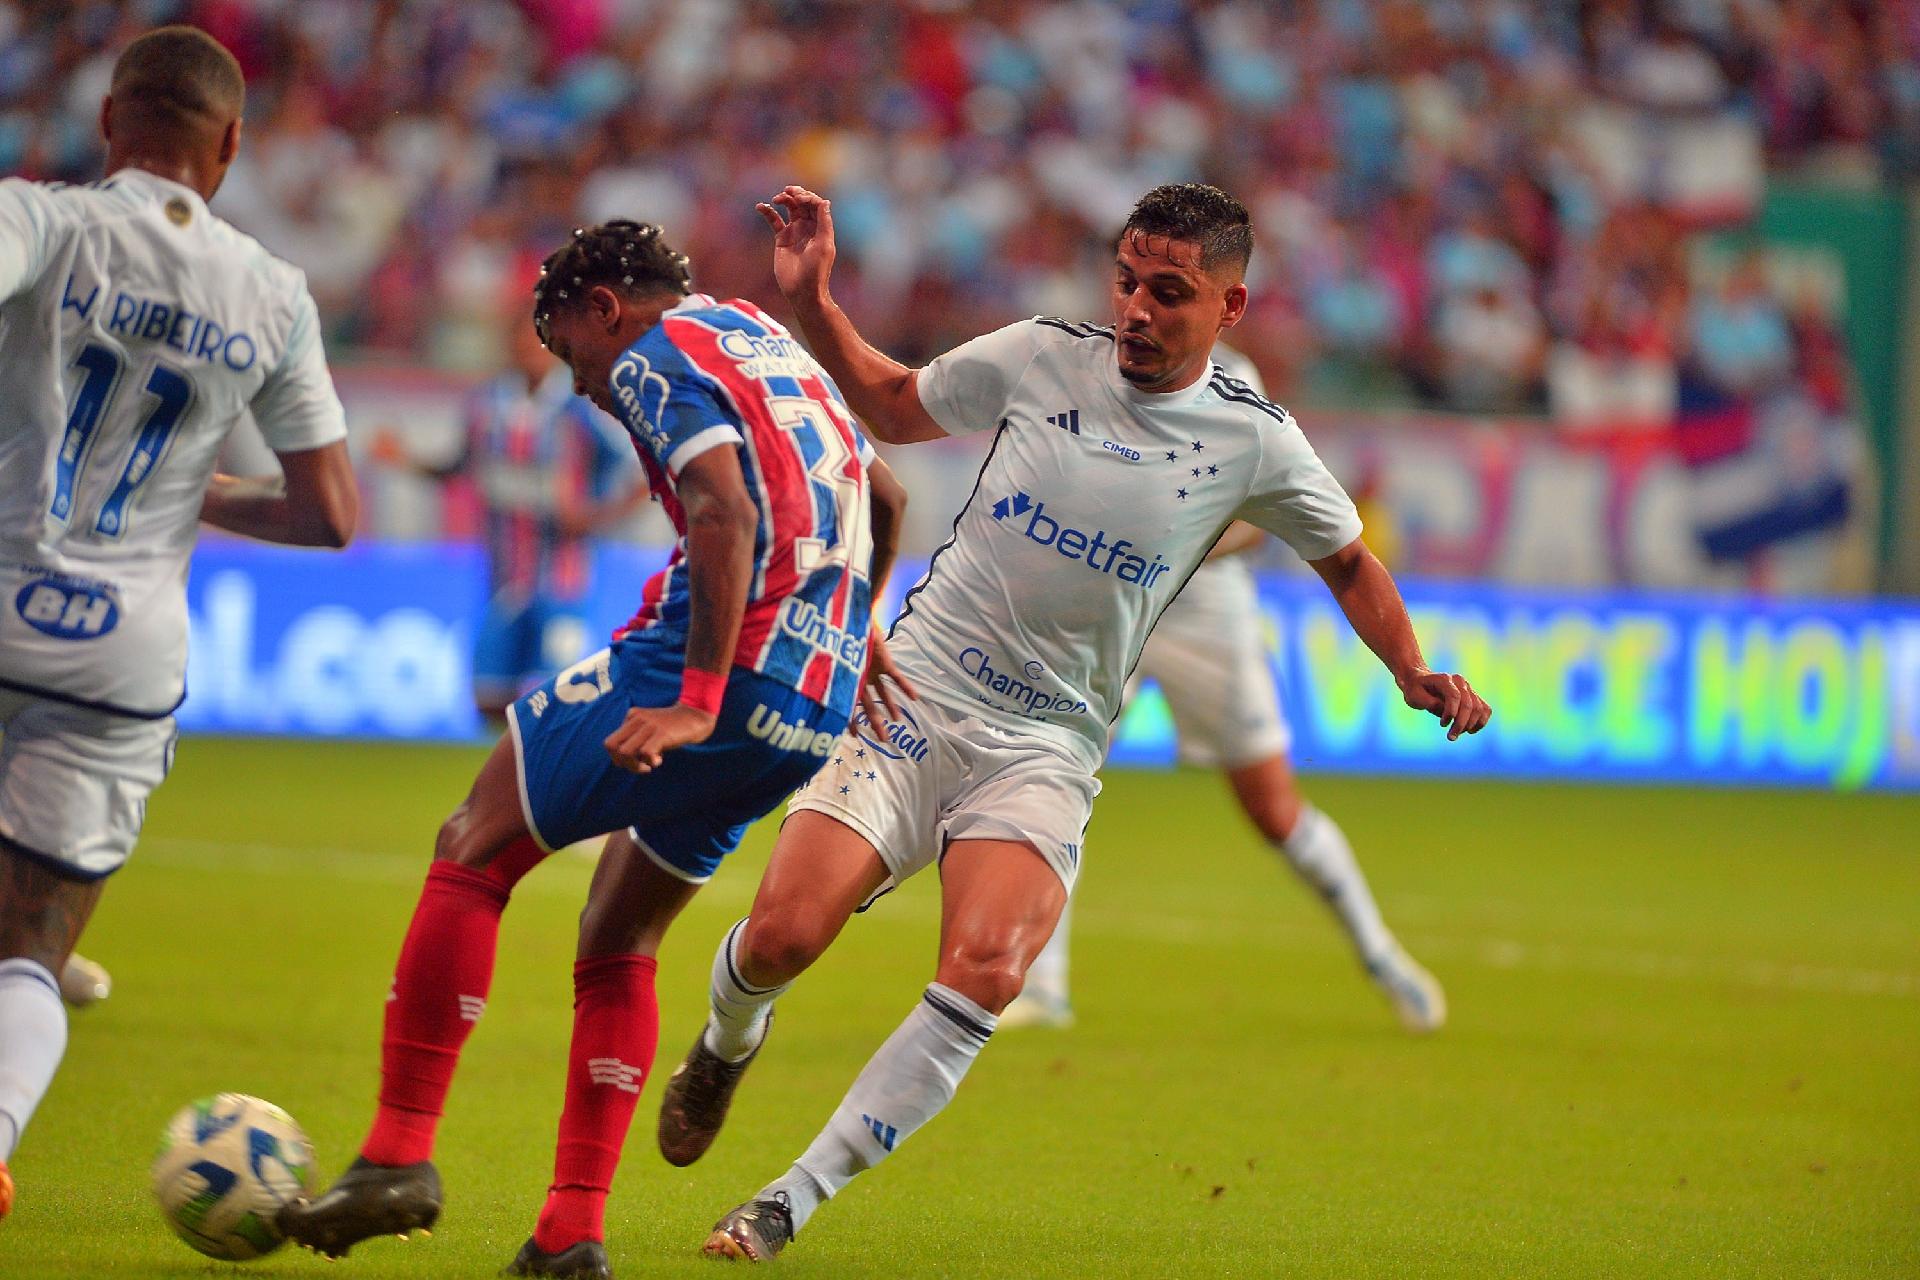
x=690, y=812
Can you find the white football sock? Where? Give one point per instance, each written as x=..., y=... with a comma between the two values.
x=33, y=1035
x=1319, y=851
x=738, y=1017
x=904, y=1085
x=1047, y=975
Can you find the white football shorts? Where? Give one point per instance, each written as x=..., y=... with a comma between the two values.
x=1209, y=655
x=938, y=774
x=74, y=781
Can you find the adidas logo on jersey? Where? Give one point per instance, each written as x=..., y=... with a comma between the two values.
x=1068, y=421
x=1091, y=549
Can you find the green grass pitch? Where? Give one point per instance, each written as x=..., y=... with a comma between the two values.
x=1685, y=1042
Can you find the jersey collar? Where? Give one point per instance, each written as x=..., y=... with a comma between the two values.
x=160, y=185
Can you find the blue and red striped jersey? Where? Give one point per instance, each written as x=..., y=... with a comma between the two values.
x=530, y=452
x=725, y=374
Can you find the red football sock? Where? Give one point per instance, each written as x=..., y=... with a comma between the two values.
x=439, y=990
x=616, y=1027
x=512, y=863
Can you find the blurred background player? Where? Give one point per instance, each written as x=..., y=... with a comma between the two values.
x=1208, y=654
x=550, y=470
x=138, y=329
x=726, y=691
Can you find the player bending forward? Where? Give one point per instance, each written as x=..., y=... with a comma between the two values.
x=135, y=330
x=1118, y=459
x=725, y=692
x=1209, y=656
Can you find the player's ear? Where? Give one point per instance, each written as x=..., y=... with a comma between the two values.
x=106, y=118
x=605, y=305
x=230, y=141
x=1233, y=305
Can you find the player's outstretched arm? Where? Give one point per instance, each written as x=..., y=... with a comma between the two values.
x=877, y=387
x=1373, y=606
x=314, y=503
x=721, y=523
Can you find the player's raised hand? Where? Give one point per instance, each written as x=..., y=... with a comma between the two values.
x=878, y=687
x=1449, y=698
x=648, y=733
x=803, y=248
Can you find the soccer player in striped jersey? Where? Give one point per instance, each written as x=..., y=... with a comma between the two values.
x=551, y=470
x=727, y=690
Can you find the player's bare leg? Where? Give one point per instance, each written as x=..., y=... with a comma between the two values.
x=616, y=1025
x=439, y=991
x=1317, y=849
x=1000, y=903
x=820, y=872
x=42, y=913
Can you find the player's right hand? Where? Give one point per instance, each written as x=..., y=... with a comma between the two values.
x=877, y=686
x=803, y=249
x=1450, y=699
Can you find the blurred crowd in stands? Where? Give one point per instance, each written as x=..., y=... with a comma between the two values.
x=1478, y=205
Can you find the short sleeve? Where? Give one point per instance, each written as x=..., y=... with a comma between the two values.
x=29, y=228
x=967, y=389
x=297, y=407
x=675, y=416
x=1296, y=498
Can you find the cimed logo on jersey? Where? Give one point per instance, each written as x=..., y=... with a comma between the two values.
x=1116, y=556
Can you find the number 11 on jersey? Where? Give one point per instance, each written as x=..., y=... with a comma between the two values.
x=101, y=367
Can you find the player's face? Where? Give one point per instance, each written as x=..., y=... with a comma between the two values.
x=580, y=339
x=1168, y=311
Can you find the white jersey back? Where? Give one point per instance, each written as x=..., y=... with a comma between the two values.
x=1094, y=506
x=136, y=329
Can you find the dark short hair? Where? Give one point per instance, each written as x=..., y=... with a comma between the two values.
x=1198, y=214
x=176, y=78
x=627, y=257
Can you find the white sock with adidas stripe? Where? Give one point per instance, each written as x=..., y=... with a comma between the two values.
x=904, y=1085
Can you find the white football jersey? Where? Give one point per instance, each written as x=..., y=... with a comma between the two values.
x=1096, y=503
x=136, y=329
x=1219, y=588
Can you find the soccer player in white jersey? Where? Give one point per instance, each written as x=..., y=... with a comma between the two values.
x=1208, y=653
x=1120, y=456
x=135, y=330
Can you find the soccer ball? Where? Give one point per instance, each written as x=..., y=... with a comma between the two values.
x=226, y=1165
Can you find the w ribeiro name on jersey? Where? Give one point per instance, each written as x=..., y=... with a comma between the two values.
x=712, y=374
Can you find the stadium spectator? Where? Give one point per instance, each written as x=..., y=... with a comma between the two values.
x=1400, y=159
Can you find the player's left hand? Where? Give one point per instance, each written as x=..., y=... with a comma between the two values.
x=648, y=733
x=876, y=695
x=1450, y=698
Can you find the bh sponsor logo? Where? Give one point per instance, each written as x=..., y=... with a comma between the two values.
x=1023, y=694
x=1115, y=557
x=776, y=731
x=901, y=739
x=67, y=608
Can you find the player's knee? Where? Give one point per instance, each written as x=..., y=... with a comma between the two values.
x=777, y=946
x=986, y=971
x=456, y=841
